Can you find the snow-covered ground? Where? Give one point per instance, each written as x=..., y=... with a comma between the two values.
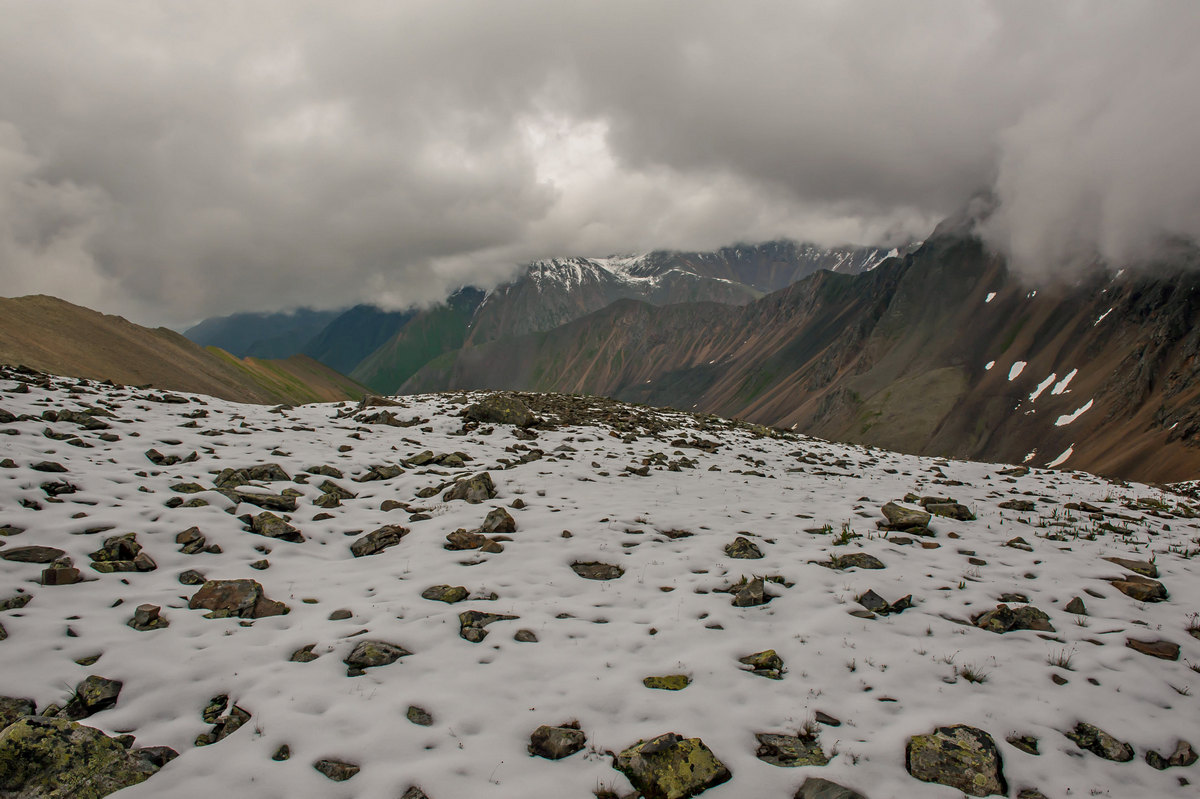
x=800, y=500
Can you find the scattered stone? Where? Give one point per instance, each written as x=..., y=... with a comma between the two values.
x=901, y=518
x=191, y=577
x=473, y=622
x=826, y=719
x=594, y=570
x=765, y=664
x=1143, y=589
x=1183, y=755
x=743, y=548
x=122, y=553
x=669, y=682
x=58, y=757
x=1164, y=650
x=500, y=409
x=473, y=490
x=375, y=542
x=241, y=598
x=498, y=521
x=951, y=510
x=61, y=575
x=962, y=757
x=853, y=560
x=284, y=752
x=749, y=594
x=1019, y=505
x=463, y=539
x=1098, y=742
x=446, y=593
x=789, y=751
x=671, y=767
x=271, y=526
x=1077, y=607
x=223, y=726
x=1026, y=743
x=304, y=654
x=817, y=788
x=341, y=614
x=368, y=654
x=1005, y=619
x=91, y=696
x=147, y=617
x=419, y=716
x=13, y=708
x=555, y=743
x=1142, y=567
x=414, y=792
x=336, y=770
x=191, y=541
x=32, y=554
x=525, y=636
x=49, y=467
x=1019, y=543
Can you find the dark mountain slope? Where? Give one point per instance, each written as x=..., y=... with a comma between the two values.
x=262, y=335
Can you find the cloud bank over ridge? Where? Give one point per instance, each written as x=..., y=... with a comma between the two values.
x=171, y=161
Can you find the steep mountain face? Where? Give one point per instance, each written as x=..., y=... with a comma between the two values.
x=262, y=335
x=349, y=338
x=52, y=335
x=553, y=292
x=939, y=352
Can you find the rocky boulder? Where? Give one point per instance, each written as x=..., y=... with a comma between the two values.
x=765, y=664
x=500, y=409
x=962, y=757
x=57, y=757
x=375, y=542
x=472, y=623
x=671, y=767
x=269, y=525
x=900, y=517
x=593, y=570
x=369, y=654
x=242, y=598
x=91, y=696
x=789, y=751
x=744, y=548
x=555, y=743
x=1100, y=743
x=473, y=490
x=817, y=788
x=1005, y=619
x=1143, y=589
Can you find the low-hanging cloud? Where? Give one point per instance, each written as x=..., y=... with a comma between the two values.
x=172, y=161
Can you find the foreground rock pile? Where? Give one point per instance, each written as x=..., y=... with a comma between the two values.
x=535, y=595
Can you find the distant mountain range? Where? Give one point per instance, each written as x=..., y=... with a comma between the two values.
x=51, y=335
x=382, y=349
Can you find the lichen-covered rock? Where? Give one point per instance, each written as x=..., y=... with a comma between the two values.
x=1098, y=742
x=817, y=788
x=750, y=593
x=500, y=409
x=1184, y=755
x=744, y=548
x=765, y=664
x=375, y=542
x=668, y=682
x=368, y=654
x=789, y=751
x=962, y=757
x=32, y=554
x=472, y=624
x=242, y=598
x=190, y=541
x=854, y=560
x=56, y=757
x=1019, y=505
x=336, y=770
x=593, y=570
x=269, y=525
x=901, y=518
x=147, y=617
x=13, y=708
x=1005, y=619
x=91, y=696
x=446, y=593
x=555, y=743
x=473, y=490
x=419, y=716
x=671, y=767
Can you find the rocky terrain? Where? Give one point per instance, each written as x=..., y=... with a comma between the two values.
x=460, y=594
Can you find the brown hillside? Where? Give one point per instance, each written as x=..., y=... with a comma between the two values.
x=55, y=336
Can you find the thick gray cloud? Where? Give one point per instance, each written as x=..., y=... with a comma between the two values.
x=174, y=160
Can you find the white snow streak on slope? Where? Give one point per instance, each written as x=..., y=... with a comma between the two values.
x=1029, y=456
x=987, y=367
x=486, y=698
x=1061, y=385
x=991, y=296
x=1061, y=459
x=1100, y=318
x=1016, y=370
x=1070, y=417
x=1042, y=386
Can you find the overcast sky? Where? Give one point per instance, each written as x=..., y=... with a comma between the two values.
x=176, y=160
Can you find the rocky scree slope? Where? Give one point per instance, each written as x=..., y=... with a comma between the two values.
x=533, y=595
x=940, y=352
